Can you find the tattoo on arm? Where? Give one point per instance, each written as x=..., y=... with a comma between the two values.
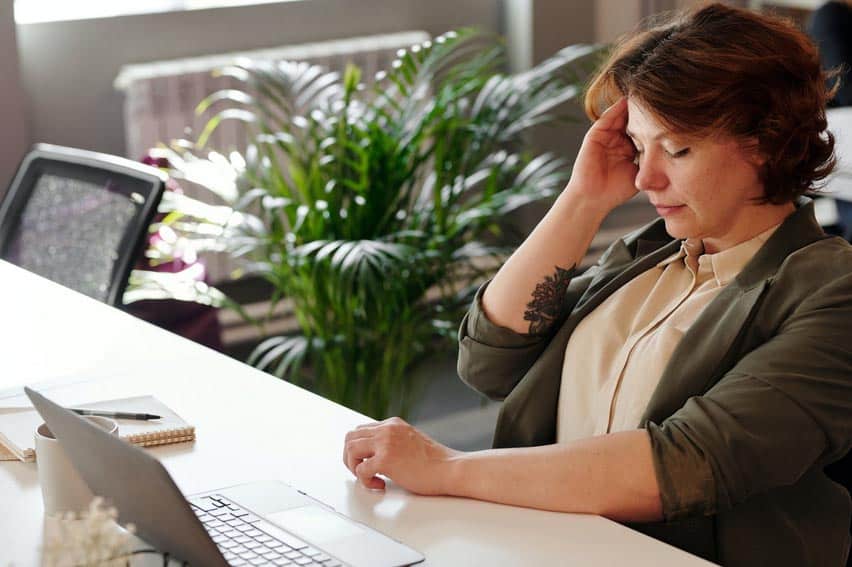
x=548, y=302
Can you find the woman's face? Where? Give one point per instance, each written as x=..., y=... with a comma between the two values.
x=702, y=188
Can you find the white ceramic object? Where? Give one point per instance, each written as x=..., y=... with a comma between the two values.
x=61, y=486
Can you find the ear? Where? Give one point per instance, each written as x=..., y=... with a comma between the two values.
x=750, y=148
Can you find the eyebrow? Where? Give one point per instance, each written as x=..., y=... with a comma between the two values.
x=657, y=137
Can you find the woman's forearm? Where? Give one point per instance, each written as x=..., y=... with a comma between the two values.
x=611, y=475
x=526, y=293
x=519, y=296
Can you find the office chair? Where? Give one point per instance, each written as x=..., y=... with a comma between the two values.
x=79, y=218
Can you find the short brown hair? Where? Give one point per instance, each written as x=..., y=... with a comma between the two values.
x=716, y=69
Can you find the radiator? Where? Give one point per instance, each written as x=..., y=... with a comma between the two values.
x=160, y=97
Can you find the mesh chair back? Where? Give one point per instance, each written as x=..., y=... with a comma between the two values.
x=79, y=218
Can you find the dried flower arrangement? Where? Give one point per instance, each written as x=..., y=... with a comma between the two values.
x=90, y=538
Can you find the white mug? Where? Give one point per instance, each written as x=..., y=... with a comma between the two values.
x=61, y=486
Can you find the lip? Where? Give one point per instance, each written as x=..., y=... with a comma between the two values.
x=664, y=210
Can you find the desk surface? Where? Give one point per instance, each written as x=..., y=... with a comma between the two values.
x=251, y=426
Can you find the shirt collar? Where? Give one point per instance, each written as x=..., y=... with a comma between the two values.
x=692, y=247
x=725, y=264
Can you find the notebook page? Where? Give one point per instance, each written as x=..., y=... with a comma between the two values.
x=171, y=428
x=18, y=425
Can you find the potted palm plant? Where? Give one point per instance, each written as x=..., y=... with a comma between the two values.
x=373, y=210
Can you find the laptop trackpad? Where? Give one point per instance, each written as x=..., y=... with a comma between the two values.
x=353, y=543
x=315, y=524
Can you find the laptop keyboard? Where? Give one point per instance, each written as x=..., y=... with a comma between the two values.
x=246, y=539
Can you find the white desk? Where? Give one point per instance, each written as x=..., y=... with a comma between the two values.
x=251, y=426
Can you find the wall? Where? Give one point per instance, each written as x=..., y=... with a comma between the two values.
x=15, y=138
x=615, y=17
x=553, y=24
x=68, y=68
x=557, y=23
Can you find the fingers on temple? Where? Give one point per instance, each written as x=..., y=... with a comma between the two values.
x=614, y=117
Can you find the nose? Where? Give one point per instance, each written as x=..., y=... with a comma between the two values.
x=651, y=175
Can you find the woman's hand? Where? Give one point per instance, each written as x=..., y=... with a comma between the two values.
x=604, y=173
x=397, y=450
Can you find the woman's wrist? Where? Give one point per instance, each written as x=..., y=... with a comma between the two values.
x=451, y=476
x=578, y=201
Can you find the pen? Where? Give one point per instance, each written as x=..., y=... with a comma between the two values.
x=117, y=414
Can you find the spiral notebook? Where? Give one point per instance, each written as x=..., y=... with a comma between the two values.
x=18, y=425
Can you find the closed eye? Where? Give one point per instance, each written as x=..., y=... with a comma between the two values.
x=680, y=153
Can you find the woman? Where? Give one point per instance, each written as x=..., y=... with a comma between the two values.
x=696, y=381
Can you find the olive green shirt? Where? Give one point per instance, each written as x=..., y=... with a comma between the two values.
x=755, y=401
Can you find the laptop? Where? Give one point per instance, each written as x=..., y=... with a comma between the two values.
x=259, y=523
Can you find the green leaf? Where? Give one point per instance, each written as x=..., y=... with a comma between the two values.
x=216, y=121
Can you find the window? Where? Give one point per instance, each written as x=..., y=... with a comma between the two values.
x=35, y=11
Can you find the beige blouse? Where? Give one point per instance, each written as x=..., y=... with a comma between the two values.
x=616, y=355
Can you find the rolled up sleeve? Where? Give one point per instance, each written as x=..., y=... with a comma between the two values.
x=782, y=408
x=492, y=359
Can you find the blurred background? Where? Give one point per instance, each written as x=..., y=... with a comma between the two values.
x=59, y=60
x=117, y=76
